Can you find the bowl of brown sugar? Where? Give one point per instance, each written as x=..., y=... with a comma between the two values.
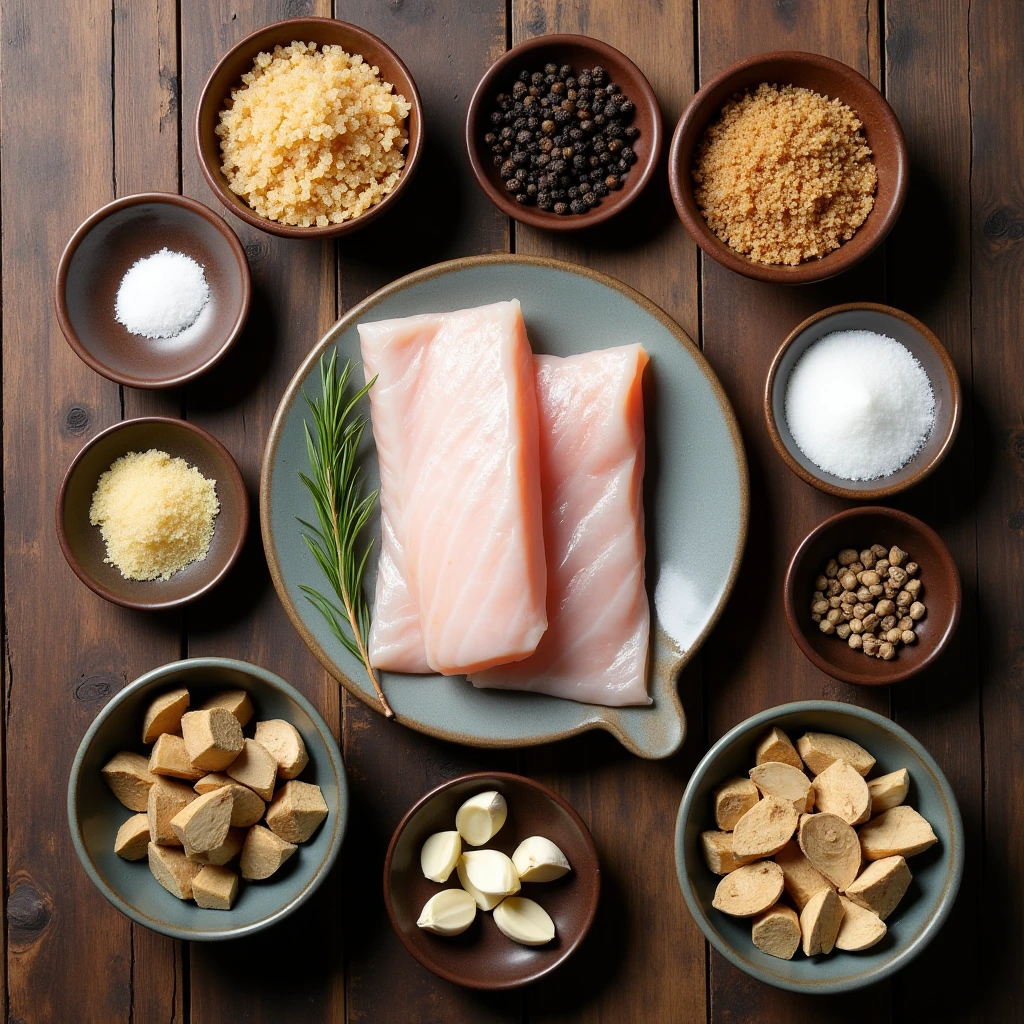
x=788, y=167
x=309, y=128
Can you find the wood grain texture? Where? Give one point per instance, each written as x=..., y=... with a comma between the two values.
x=146, y=153
x=293, y=303
x=755, y=664
x=642, y=929
x=997, y=271
x=928, y=273
x=66, y=650
x=443, y=215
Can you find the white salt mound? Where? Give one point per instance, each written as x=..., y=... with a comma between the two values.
x=859, y=405
x=161, y=295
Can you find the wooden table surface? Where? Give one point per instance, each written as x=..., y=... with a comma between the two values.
x=97, y=101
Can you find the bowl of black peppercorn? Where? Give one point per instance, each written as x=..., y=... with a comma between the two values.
x=563, y=132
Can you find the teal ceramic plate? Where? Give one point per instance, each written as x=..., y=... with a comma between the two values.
x=695, y=499
x=95, y=814
x=921, y=912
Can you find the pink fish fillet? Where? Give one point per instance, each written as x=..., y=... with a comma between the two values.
x=454, y=416
x=592, y=467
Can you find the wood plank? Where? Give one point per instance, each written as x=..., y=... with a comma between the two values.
x=642, y=930
x=744, y=322
x=997, y=268
x=293, y=303
x=928, y=265
x=53, y=688
x=146, y=157
x=443, y=215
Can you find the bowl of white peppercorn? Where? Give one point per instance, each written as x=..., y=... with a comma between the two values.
x=862, y=401
x=872, y=596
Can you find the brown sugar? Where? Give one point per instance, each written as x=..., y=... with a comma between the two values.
x=784, y=174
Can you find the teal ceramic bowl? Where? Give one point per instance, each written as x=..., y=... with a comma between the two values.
x=937, y=871
x=95, y=814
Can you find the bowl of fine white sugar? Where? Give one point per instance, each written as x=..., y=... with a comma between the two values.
x=152, y=290
x=862, y=401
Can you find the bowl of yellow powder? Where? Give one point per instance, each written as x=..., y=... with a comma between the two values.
x=152, y=513
x=788, y=167
x=309, y=128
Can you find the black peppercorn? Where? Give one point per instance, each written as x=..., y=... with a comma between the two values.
x=564, y=71
x=498, y=160
x=628, y=156
x=612, y=182
x=524, y=136
x=626, y=108
x=614, y=145
x=597, y=75
x=587, y=126
x=513, y=185
x=520, y=157
x=570, y=82
x=537, y=78
x=579, y=162
x=508, y=169
x=611, y=88
x=561, y=209
x=600, y=189
x=519, y=90
x=573, y=193
x=521, y=173
x=590, y=199
x=496, y=118
x=631, y=132
x=550, y=69
x=547, y=126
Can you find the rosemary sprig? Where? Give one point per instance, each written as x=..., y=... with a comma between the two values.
x=336, y=485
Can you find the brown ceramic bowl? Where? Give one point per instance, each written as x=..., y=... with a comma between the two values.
x=227, y=73
x=580, y=52
x=482, y=957
x=100, y=253
x=830, y=78
x=83, y=545
x=940, y=593
x=922, y=344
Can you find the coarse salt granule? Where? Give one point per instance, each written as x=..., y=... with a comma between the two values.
x=859, y=405
x=162, y=295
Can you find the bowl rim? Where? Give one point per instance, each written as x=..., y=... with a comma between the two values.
x=484, y=984
x=833, y=263
x=955, y=853
x=530, y=215
x=883, y=490
x=899, y=674
x=238, y=484
x=214, y=179
x=334, y=754
x=64, y=266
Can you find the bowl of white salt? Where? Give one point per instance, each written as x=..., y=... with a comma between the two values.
x=152, y=290
x=862, y=401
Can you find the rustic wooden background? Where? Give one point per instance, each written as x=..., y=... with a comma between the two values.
x=97, y=99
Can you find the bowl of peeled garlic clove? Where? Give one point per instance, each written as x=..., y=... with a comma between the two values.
x=504, y=939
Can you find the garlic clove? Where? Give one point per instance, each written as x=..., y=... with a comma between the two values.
x=524, y=921
x=538, y=860
x=482, y=899
x=439, y=855
x=480, y=817
x=491, y=871
x=449, y=912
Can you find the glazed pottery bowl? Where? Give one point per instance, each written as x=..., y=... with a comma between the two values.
x=482, y=957
x=579, y=52
x=102, y=251
x=95, y=814
x=822, y=75
x=227, y=74
x=937, y=871
x=82, y=543
x=922, y=345
x=940, y=593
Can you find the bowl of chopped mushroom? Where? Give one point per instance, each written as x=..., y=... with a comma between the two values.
x=872, y=596
x=819, y=847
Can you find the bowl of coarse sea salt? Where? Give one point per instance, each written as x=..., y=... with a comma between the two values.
x=862, y=401
x=152, y=290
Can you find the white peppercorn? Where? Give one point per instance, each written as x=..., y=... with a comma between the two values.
x=871, y=621
x=832, y=568
x=835, y=602
x=887, y=623
x=846, y=556
x=904, y=599
x=826, y=627
x=821, y=583
x=848, y=581
x=879, y=551
x=869, y=577
x=893, y=635
x=834, y=616
x=855, y=641
x=908, y=636
x=882, y=566
x=911, y=568
x=856, y=567
x=886, y=651
x=834, y=587
x=896, y=555
x=870, y=646
x=876, y=590
x=856, y=625
x=848, y=597
x=863, y=593
x=819, y=607
x=868, y=557
x=913, y=587
x=885, y=607
x=905, y=623
x=897, y=575
x=917, y=611
x=843, y=630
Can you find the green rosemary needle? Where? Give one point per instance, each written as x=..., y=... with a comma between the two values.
x=336, y=485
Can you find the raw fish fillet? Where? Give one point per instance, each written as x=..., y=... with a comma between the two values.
x=592, y=467
x=454, y=416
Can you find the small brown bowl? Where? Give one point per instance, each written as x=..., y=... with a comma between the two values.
x=83, y=545
x=921, y=343
x=940, y=593
x=580, y=52
x=227, y=74
x=482, y=957
x=832, y=79
x=100, y=253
